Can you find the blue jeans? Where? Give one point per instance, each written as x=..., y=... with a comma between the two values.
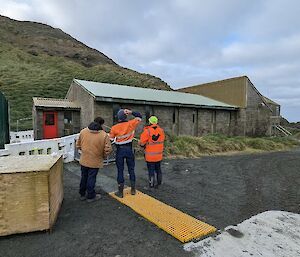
x=154, y=169
x=125, y=153
x=88, y=181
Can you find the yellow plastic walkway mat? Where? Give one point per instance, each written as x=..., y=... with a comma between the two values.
x=178, y=224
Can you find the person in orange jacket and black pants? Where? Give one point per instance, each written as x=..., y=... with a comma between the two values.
x=123, y=134
x=152, y=139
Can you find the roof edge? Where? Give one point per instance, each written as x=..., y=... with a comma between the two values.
x=215, y=81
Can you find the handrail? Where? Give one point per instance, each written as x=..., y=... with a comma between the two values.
x=283, y=130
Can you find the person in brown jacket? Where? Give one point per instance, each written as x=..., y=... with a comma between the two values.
x=94, y=144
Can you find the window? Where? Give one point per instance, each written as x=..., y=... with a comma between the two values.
x=49, y=119
x=277, y=111
x=193, y=117
x=67, y=117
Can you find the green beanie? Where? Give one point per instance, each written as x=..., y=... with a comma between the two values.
x=153, y=120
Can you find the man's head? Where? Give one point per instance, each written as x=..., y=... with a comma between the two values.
x=121, y=115
x=153, y=120
x=99, y=120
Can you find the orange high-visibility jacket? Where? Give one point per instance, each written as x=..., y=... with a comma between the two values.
x=153, y=138
x=123, y=132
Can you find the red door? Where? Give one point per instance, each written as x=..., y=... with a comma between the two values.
x=50, y=125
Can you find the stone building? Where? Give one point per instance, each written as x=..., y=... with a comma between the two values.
x=178, y=113
x=54, y=118
x=256, y=115
x=230, y=107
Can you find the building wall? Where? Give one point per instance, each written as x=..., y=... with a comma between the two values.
x=186, y=124
x=63, y=129
x=60, y=123
x=257, y=114
x=223, y=122
x=108, y=112
x=104, y=110
x=253, y=117
x=78, y=94
x=231, y=91
x=204, y=122
x=168, y=118
x=275, y=109
x=76, y=122
x=174, y=120
x=38, y=128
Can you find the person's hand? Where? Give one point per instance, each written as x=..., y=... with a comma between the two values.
x=127, y=112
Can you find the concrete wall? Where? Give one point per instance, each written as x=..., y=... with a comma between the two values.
x=204, y=122
x=76, y=122
x=257, y=114
x=223, y=122
x=108, y=110
x=175, y=120
x=38, y=128
x=165, y=115
x=104, y=110
x=186, y=124
x=86, y=101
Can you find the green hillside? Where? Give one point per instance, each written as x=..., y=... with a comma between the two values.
x=34, y=64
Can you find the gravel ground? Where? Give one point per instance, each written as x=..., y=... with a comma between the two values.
x=221, y=190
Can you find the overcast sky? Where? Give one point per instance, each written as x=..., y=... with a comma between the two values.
x=187, y=42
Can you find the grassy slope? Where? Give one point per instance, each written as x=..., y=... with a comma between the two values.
x=23, y=75
x=39, y=60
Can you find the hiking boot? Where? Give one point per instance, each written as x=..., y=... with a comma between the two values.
x=132, y=184
x=82, y=198
x=120, y=191
x=151, y=182
x=96, y=198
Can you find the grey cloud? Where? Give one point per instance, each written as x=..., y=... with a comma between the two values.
x=187, y=42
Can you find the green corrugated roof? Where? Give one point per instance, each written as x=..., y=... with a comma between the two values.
x=105, y=90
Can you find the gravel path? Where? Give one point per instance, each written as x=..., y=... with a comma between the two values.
x=221, y=190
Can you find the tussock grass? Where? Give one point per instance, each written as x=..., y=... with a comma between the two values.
x=297, y=135
x=187, y=146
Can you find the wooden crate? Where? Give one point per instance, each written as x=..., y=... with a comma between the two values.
x=31, y=193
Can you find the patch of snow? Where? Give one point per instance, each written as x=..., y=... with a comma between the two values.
x=268, y=234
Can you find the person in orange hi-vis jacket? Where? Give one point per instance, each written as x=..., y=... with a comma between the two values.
x=123, y=134
x=152, y=139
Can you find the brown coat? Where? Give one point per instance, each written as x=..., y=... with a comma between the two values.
x=94, y=145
